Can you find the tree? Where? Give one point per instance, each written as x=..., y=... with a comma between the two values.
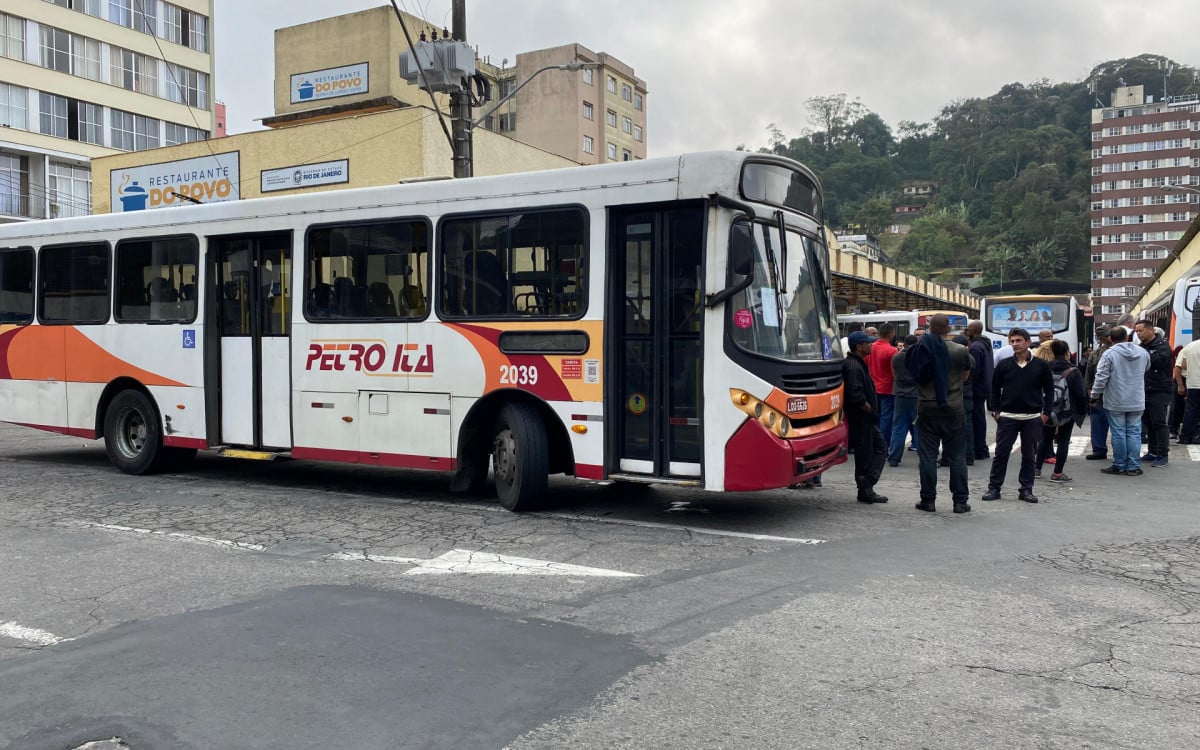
x=875, y=214
x=833, y=115
x=1043, y=260
x=1000, y=263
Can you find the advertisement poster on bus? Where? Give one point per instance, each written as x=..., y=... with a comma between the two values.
x=206, y=179
x=1007, y=317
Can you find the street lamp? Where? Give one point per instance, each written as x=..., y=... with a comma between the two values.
x=1170, y=251
x=573, y=65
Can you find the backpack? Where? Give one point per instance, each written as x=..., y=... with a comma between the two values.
x=1062, y=411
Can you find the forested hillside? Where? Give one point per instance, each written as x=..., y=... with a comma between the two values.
x=1012, y=171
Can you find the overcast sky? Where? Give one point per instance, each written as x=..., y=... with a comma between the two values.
x=718, y=71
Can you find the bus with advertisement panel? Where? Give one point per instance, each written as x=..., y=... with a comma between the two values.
x=1058, y=313
x=666, y=320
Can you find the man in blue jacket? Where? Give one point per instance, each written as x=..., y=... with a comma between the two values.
x=1022, y=398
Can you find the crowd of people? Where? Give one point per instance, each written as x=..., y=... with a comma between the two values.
x=938, y=390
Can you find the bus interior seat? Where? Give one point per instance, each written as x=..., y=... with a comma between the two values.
x=380, y=301
x=489, y=283
x=320, y=300
x=349, y=300
x=187, y=292
x=161, y=290
x=412, y=299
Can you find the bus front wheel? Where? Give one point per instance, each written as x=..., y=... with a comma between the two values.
x=520, y=457
x=132, y=434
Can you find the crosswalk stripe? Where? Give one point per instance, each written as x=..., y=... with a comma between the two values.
x=1081, y=445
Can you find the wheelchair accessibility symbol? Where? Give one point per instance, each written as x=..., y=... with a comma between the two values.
x=189, y=338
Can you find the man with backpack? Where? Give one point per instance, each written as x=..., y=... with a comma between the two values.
x=1021, y=399
x=1069, y=408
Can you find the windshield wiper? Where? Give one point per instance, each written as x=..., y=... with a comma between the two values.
x=783, y=252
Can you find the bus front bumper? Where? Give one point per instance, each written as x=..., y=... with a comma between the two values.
x=756, y=459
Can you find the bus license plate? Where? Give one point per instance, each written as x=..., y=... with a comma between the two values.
x=797, y=404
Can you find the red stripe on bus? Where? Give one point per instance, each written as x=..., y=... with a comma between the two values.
x=589, y=471
x=72, y=431
x=392, y=460
x=172, y=441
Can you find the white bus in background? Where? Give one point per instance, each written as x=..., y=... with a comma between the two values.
x=660, y=321
x=1175, y=310
x=1059, y=313
x=904, y=321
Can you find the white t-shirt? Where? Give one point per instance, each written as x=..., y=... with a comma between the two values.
x=1189, y=361
x=1003, y=352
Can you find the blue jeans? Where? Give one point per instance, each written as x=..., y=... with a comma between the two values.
x=887, y=407
x=1099, y=426
x=1126, y=429
x=902, y=419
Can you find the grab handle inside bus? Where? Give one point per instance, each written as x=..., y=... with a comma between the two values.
x=741, y=263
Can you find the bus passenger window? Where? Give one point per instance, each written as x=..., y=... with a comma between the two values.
x=366, y=271
x=73, y=284
x=16, y=285
x=150, y=280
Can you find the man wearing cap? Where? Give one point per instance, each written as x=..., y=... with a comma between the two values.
x=861, y=406
x=1098, y=416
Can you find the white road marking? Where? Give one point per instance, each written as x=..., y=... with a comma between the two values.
x=689, y=529
x=176, y=535
x=29, y=635
x=1193, y=451
x=467, y=562
x=1081, y=445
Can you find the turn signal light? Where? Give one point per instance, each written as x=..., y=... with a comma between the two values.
x=579, y=429
x=775, y=421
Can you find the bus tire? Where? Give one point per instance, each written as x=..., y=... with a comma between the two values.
x=132, y=433
x=520, y=458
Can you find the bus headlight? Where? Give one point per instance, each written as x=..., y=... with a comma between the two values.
x=772, y=419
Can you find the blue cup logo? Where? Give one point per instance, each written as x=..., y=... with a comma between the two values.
x=133, y=197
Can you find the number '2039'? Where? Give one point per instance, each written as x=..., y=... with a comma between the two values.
x=518, y=375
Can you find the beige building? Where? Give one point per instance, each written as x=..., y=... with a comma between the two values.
x=81, y=79
x=347, y=63
x=358, y=150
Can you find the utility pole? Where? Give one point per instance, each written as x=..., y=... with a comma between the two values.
x=460, y=102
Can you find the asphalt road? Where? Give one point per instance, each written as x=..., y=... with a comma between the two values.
x=300, y=605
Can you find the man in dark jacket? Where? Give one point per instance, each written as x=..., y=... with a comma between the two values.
x=1098, y=417
x=861, y=407
x=1160, y=389
x=1021, y=401
x=981, y=385
x=941, y=415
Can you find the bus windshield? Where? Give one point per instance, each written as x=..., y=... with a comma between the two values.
x=793, y=324
x=1032, y=315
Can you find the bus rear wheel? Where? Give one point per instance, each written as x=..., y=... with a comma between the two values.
x=132, y=434
x=520, y=458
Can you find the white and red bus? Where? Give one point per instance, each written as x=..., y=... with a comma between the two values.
x=667, y=320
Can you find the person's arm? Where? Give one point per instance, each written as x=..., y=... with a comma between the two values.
x=997, y=388
x=1046, y=376
x=856, y=396
x=1180, y=369
x=1079, y=398
x=1103, y=371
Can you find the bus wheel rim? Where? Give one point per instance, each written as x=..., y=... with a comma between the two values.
x=132, y=433
x=505, y=456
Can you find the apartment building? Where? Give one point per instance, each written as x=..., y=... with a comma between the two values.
x=80, y=79
x=1145, y=191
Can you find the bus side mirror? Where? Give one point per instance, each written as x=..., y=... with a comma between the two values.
x=741, y=263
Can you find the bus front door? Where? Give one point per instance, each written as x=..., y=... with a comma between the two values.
x=250, y=309
x=655, y=317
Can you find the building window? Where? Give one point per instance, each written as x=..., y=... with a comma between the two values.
x=627, y=125
x=174, y=134
x=187, y=86
x=53, y=115
x=508, y=122
x=611, y=118
x=140, y=15
x=626, y=92
x=12, y=37
x=589, y=145
x=132, y=71
x=612, y=151
x=637, y=102
x=612, y=84
x=185, y=27
x=626, y=155
x=637, y=133
x=14, y=185
x=14, y=106
x=90, y=118
x=69, y=188
x=588, y=112
x=587, y=76
x=69, y=118
x=132, y=132
x=56, y=49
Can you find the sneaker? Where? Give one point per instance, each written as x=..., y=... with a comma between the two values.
x=1097, y=456
x=1149, y=457
x=1159, y=462
x=1059, y=478
x=927, y=506
x=1133, y=472
x=991, y=495
x=962, y=508
x=1112, y=470
x=1037, y=473
x=874, y=497
x=911, y=447
x=893, y=464
x=1027, y=496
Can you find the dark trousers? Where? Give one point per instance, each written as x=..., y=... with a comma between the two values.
x=1154, y=422
x=1176, y=417
x=1098, y=422
x=968, y=431
x=979, y=426
x=1055, y=442
x=945, y=429
x=1007, y=430
x=869, y=451
x=1190, y=432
